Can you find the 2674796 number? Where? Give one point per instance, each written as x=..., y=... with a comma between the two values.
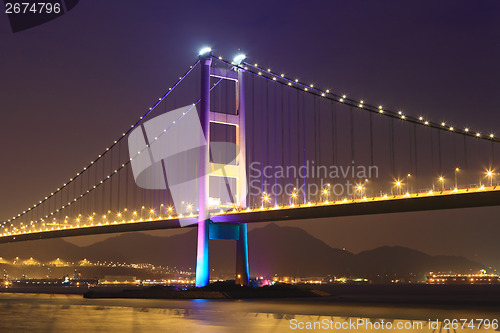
x=35, y=8
x=449, y=324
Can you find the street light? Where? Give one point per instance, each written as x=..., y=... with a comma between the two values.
x=408, y=183
x=205, y=50
x=360, y=188
x=239, y=59
x=490, y=174
x=326, y=192
x=294, y=196
x=441, y=179
x=456, y=172
x=398, y=185
x=265, y=199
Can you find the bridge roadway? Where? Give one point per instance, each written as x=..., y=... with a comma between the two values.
x=437, y=200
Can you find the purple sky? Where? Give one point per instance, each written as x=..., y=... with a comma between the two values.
x=70, y=86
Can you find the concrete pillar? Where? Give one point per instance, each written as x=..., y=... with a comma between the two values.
x=242, y=177
x=202, y=267
x=242, y=271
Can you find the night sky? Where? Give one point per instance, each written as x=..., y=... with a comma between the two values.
x=70, y=86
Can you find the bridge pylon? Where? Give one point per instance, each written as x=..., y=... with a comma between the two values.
x=221, y=231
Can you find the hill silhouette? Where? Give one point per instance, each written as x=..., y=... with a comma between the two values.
x=289, y=251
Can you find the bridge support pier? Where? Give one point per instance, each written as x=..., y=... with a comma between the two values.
x=202, y=267
x=237, y=232
x=242, y=273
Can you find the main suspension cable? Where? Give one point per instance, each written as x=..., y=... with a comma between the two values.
x=132, y=127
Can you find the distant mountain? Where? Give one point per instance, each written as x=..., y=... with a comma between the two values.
x=139, y=247
x=43, y=250
x=293, y=251
x=273, y=250
x=402, y=261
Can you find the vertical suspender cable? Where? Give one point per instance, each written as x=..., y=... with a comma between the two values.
x=298, y=133
x=315, y=133
x=351, y=115
x=134, y=195
x=283, y=197
x=227, y=135
x=275, y=112
x=332, y=111
x=127, y=175
x=391, y=146
x=454, y=151
x=335, y=134
x=415, y=151
x=94, y=193
x=317, y=137
x=492, y=161
x=261, y=142
x=70, y=209
x=111, y=182
x=165, y=191
x=103, y=187
x=289, y=134
x=306, y=193
x=58, y=193
x=321, y=145
x=410, y=141
x=432, y=155
x=254, y=132
x=88, y=210
x=267, y=127
x=479, y=159
x=371, y=139
x=320, y=155
x=439, y=153
x=119, y=176
x=83, y=206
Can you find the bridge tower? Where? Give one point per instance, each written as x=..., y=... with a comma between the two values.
x=207, y=229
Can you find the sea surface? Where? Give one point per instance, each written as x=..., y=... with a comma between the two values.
x=25, y=312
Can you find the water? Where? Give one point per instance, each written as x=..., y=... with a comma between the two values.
x=72, y=313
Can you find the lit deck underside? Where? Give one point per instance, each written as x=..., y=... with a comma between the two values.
x=369, y=206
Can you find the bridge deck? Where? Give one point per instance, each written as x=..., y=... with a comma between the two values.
x=397, y=204
x=379, y=205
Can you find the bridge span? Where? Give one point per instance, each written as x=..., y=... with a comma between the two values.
x=432, y=200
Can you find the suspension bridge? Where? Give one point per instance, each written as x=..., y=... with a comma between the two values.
x=287, y=151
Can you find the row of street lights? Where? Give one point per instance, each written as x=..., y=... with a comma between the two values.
x=398, y=183
x=360, y=188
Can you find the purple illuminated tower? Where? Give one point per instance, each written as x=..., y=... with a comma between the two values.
x=221, y=231
x=202, y=270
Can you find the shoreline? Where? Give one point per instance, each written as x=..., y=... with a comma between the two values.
x=445, y=295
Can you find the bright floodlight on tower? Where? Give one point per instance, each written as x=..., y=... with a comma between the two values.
x=205, y=51
x=239, y=58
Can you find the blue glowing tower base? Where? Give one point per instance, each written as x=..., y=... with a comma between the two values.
x=242, y=271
